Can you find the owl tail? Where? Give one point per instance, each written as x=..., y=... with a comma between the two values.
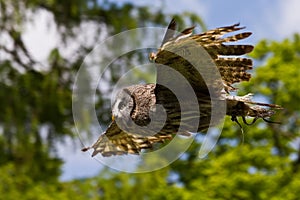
x=243, y=106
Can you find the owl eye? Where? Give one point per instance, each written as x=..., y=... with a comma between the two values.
x=121, y=105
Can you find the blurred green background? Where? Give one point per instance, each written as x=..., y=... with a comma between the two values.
x=37, y=131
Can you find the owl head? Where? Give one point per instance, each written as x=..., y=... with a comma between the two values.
x=123, y=107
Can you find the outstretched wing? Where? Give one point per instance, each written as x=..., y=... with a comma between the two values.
x=115, y=141
x=208, y=64
x=232, y=68
x=181, y=53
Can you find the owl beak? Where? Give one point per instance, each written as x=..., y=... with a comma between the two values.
x=152, y=56
x=113, y=118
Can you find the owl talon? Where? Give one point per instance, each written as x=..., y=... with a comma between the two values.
x=268, y=121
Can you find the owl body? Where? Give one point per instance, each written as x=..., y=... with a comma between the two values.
x=138, y=106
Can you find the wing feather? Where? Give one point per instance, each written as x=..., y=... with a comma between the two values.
x=115, y=141
x=232, y=68
x=170, y=32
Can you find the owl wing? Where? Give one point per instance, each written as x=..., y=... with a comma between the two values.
x=115, y=141
x=184, y=53
x=175, y=51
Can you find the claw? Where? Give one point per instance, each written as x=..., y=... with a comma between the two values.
x=271, y=121
x=233, y=118
x=245, y=122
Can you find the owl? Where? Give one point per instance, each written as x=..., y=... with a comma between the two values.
x=146, y=114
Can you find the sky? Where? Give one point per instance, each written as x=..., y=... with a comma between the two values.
x=271, y=19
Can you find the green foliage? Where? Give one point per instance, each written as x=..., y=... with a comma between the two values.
x=16, y=185
x=274, y=78
x=25, y=111
x=37, y=104
x=278, y=80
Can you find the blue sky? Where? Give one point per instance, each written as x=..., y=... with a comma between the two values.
x=271, y=19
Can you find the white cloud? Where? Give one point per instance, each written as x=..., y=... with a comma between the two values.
x=40, y=35
x=288, y=20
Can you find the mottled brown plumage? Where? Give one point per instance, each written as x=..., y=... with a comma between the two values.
x=139, y=123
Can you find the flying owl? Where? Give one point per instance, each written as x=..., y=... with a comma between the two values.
x=146, y=114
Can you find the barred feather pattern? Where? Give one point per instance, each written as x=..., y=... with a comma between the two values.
x=115, y=141
x=232, y=69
